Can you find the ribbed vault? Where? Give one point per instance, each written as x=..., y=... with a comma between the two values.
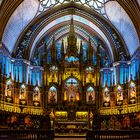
x=117, y=45
x=82, y=30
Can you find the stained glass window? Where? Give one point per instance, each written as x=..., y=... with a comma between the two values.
x=97, y=5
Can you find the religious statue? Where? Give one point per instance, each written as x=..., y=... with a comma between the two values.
x=71, y=92
x=90, y=95
x=119, y=96
x=77, y=94
x=106, y=97
x=90, y=98
x=52, y=95
x=132, y=92
x=22, y=93
x=35, y=97
x=65, y=96
x=9, y=92
x=36, y=94
x=126, y=122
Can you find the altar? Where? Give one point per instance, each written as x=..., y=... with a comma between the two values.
x=73, y=127
x=68, y=123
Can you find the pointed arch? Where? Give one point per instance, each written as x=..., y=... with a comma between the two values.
x=52, y=95
x=90, y=95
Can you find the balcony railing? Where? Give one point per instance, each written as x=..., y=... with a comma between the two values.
x=26, y=135
x=125, y=109
x=49, y=135
x=10, y=107
x=113, y=135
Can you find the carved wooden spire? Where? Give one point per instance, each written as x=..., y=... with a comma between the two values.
x=98, y=56
x=62, y=51
x=72, y=31
x=45, y=55
x=72, y=40
x=18, y=74
x=81, y=54
x=89, y=52
x=54, y=52
x=81, y=48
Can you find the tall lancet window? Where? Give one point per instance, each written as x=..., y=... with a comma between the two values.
x=9, y=91
x=22, y=95
x=36, y=96
x=52, y=95
x=132, y=93
x=119, y=95
x=90, y=95
x=106, y=97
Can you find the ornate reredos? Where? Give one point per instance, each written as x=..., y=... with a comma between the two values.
x=72, y=49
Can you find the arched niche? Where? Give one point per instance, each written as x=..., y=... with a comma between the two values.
x=9, y=90
x=71, y=90
x=132, y=93
x=22, y=94
x=36, y=96
x=106, y=97
x=119, y=95
x=90, y=95
x=52, y=95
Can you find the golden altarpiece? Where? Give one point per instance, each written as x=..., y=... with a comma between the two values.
x=72, y=86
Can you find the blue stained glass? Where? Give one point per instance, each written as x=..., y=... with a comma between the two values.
x=97, y=5
x=7, y=67
x=102, y=77
x=127, y=74
x=84, y=50
x=136, y=67
x=105, y=79
x=133, y=69
x=27, y=75
x=36, y=76
x=49, y=58
x=39, y=77
x=58, y=46
x=33, y=78
x=121, y=75
x=16, y=72
x=21, y=73
x=109, y=78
